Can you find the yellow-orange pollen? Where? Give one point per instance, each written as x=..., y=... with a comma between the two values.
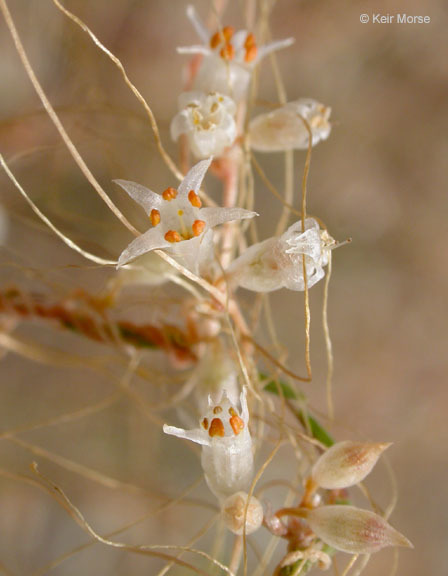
x=198, y=227
x=173, y=236
x=169, y=194
x=216, y=428
x=205, y=423
x=155, y=217
x=222, y=36
x=237, y=424
x=217, y=410
x=194, y=199
x=250, y=47
x=227, y=52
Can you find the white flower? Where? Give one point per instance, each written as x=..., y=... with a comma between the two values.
x=229, y=57
x=208, y=121
x=180, y=226
x=277, y=262
x=283, y=129
x=227, y=458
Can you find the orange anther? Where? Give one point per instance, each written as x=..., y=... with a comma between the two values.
x=250, y=41
x=198, y=227
x=228, y=52
x=169, y=194
x=173, y=236
x=194, y=199
x=232, y=411
x=228, y=32
x=224, y=35
x=237, y=424
x=205, y=423
x=215, y=40
x=251, y=53
x=217, y=410
x=216, y=428
x=155, y=217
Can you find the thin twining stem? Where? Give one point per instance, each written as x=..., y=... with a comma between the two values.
x=167, y=159
x=57, y=123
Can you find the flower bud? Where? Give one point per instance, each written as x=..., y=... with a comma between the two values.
x=346, y=464
x=233, y=510
x=353, y=530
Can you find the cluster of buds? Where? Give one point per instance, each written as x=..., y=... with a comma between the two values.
x=343, y=527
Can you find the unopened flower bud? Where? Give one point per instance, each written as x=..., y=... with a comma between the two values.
x=233, y=511
x=353, y=530
x=346, y=464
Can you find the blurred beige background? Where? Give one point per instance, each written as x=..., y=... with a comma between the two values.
x=380, y=178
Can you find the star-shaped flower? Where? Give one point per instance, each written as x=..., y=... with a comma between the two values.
x=229, y=57
x=180, y=225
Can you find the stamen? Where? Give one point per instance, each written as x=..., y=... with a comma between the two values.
x=198, y=227
x=251, y=54
x=228, y=52
x=237, y=424
x=173, y=236
x=224, y=35
x=169, y=194
x=217, y=410
x=194, y=199
x=251, y=48
x=205, y=423
x=216, y=428
x=228, y=32
x=250, y=41
x=232, y=411
x=155, y=217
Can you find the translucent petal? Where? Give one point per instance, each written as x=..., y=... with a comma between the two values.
x=198, y=436
x=198, y=25
x=273, y=47
x=194, y=177
x=196, y=49
x=152, y=239
x=143, y=196
x=180, y=124
x=214, y=216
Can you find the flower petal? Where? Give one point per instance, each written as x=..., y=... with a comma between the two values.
x=214, y=216
x=194, y=177
x=273, y=47
x=196, y=436
x=152, y=239
x=195, y=49
x=143, y=196
x=199, y=26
